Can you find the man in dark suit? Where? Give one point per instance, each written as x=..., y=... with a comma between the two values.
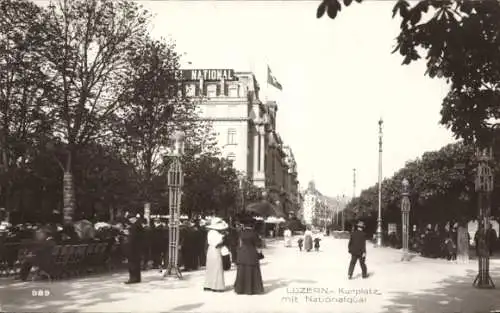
x=357, y=249
x=135, y=249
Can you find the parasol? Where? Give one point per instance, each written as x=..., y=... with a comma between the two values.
x=84, y=229
x=275, y=220
x=265, y=208
x=100, y=225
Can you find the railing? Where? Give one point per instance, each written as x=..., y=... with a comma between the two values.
x=65, y=261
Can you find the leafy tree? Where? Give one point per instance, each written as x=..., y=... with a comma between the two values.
x=252, y=193
x=211, y=186
x=87, y=57
x=23, y=90
x=442, y=188
x=153, y=106
x=461, y=39
x=105, y=182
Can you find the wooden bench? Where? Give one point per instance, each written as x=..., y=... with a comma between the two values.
x=75, y=260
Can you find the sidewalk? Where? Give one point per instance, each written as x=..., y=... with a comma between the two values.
x=294, y=282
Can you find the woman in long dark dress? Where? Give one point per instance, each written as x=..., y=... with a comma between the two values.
x=248, y=275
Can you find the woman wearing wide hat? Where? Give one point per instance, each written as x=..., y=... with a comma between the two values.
x=248, y=274
x=214, y=273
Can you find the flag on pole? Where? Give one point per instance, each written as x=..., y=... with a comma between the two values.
x=271, y=79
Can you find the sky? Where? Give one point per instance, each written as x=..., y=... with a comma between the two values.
x=338, y=76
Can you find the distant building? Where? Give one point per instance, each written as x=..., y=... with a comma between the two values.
x=320, y=210
x=246, y=131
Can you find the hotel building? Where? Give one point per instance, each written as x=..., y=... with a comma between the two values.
x=246, y=131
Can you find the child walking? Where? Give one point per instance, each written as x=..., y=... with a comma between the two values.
x=316, y=244
x=300, y=243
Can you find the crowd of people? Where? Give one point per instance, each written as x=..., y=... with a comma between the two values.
x=212, y=243
x=203, y=243
x=450, y=241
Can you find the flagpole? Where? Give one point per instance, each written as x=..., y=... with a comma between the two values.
x=267, y=80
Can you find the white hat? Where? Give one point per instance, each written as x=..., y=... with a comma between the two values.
x=217, y=223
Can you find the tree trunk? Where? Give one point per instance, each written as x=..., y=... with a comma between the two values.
x=68, y=197
x=111, y=214
x=462, y=245
x=147, y=211
x=68, y=190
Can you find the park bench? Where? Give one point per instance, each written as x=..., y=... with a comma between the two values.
x=11, y=256
x=75, y=260
x=66, y=260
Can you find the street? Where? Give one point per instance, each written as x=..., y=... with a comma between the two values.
x=294, y=282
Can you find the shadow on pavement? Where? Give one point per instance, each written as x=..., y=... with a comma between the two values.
x=186, y=307
x=370, y=275
x=273, y=284
x=454, y=294
x=67, y=296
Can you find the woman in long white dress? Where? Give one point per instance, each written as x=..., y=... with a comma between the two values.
x=288, y=237
x=214, y=272
x=308, y=240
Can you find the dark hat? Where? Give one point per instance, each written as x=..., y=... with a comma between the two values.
x=246, y=220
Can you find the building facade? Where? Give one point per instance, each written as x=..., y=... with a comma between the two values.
x=246, y=132
x=320, y=210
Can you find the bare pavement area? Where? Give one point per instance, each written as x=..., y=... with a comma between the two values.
x=294, y=282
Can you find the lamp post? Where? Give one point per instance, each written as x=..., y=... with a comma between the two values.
x=175, y=180
x=342, y=213
x=242, y=193
x=405, y=212
x=484, y=187
x=278, y=205
x=379, y=218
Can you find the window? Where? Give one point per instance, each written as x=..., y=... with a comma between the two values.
x=231, y=157
x=231, y=136
x=233, y=91
x=221, y=88
x=212, y=91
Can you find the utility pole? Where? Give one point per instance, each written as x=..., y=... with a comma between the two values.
x=343, y=209
x=379, y=218
x=353, y=183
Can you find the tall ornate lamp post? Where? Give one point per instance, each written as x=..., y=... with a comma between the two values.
x=242, y=193
x=175, y=180
x=484, y=187
x=342, y=213
x=405, y=212
x=379, y=219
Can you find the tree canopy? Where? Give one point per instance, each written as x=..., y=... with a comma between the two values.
x=441, y=188
x=459, y=39
x=87, y=98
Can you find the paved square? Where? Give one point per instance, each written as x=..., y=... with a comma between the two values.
x=294, y=282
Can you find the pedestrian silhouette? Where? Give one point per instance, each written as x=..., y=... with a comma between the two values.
x=357, y=249
x=300, y=242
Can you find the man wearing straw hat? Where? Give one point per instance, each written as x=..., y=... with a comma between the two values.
x=357, y=249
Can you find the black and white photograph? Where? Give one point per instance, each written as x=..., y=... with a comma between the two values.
x=250, y=156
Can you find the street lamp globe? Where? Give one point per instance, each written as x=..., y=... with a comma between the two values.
x=179, y=137
x=405, y=184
